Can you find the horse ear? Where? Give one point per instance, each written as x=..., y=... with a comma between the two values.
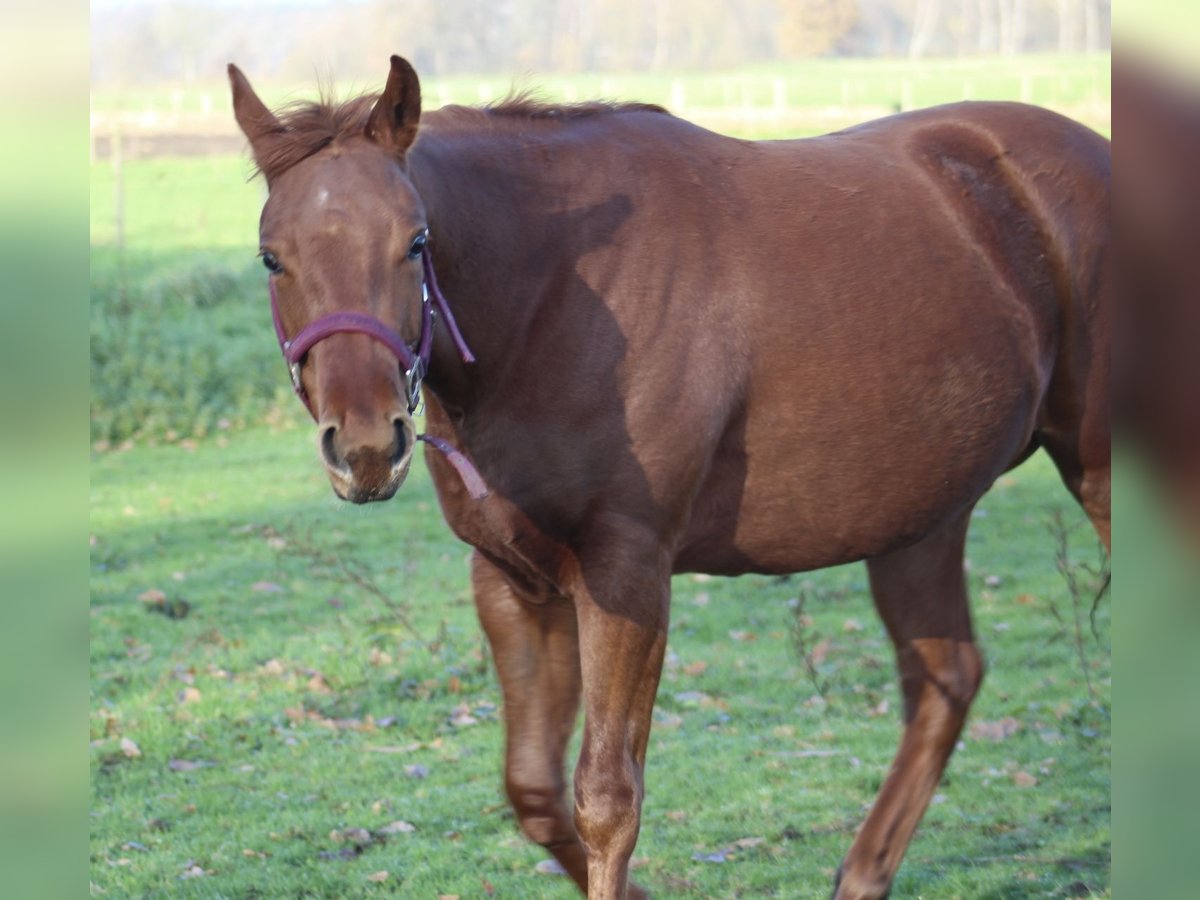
x=394, y=119
x=256, y=121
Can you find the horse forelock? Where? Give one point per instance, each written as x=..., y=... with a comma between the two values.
x=307, y=127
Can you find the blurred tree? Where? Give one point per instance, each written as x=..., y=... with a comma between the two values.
x=182, y=41
x=1084, y=25
x=1012, y=26
x=924, y=27
x=814, y=27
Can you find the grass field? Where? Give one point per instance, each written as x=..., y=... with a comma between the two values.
x=266, y=724
x=252, y=707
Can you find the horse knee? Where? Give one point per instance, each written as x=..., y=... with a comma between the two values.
x=541, y=812
x=608, y=802
x=941, y=671
x=966, y=673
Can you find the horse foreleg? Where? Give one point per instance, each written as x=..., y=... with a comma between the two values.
x=920, y=593
x=536, y=652
x=623, y=635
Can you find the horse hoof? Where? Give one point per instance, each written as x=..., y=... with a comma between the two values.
x=837, y=883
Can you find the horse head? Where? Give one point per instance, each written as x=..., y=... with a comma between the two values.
x=344, y=237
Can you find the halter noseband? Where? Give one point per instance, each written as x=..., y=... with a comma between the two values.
x=414, y=360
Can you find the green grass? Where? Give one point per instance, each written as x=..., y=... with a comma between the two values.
x=188, y=204
x=181, y=337
x=300, y=700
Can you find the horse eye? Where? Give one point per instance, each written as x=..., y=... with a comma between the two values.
x=418, y=245
x=271, y=261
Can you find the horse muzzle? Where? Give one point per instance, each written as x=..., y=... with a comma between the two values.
x=366, y=464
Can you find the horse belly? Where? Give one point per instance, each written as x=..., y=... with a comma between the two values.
x=844, y=454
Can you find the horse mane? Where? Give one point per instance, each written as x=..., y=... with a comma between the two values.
x=307, y=126
x=525, y=105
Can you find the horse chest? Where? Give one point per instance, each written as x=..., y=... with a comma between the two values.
x=532, y=560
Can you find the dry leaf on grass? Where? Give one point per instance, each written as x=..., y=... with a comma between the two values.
x=318, y=685
x=1000, y=730
x=398, y=827
x=726, y=854
x=819, y=652
x=379, y=657
x=747, y=842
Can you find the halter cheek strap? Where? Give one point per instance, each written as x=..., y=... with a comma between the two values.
x=414, y=361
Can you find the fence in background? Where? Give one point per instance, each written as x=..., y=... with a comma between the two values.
x=802, y=102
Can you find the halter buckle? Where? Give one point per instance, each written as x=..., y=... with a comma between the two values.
x=412, y=381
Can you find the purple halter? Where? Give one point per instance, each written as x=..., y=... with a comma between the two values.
x=414, y=362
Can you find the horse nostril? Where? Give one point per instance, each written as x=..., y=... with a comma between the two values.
x=329, y=448
x=401, y=439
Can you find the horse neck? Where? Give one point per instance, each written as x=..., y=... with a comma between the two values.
x=488, y=221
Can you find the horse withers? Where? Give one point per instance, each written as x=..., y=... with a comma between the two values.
x=655, y=349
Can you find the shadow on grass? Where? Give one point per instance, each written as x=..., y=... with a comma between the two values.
x=1032, y=875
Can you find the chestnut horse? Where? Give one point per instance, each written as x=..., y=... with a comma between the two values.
x=663, y=350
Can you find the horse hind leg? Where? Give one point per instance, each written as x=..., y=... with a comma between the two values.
x=1075, y=420
x=1082, y=456
x=920, y=593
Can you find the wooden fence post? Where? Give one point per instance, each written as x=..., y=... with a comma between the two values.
x=116, y=152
